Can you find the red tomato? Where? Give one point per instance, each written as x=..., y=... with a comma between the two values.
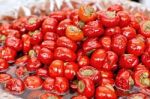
x=124, y=79
x=42, y=72
x=128, y=61
x=59, y=15
x=79, y=97
x=33, y=82
x=105, y=41
x=135, y=25
x=71, y=69
x=106, y=74
x=22, y=61
x=108, y=18
x=15, y=86
x=3, y=64
x=21, y=72
x=119, y=44
x=86, y=13
x=146, y=59
x=49, y=25
x=64, y=54
x=102, y=92
x=93, y=29
x=56, y=68
x=83, y=61
x=48, y=44
x=90, y=73
x=115, y=7
x=50, y=36
x=45, y=56
x=144, y=28
x=129, y=32
x=105, y=81
x=112, y=31
x=61, y=85
x=66, y=42
x=61, y=29
x=4, y=77
x=26, y=43
x=48, y=84
x=86, y=87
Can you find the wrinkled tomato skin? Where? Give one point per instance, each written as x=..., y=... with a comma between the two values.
x=56, y=69
x=49, y=25
x=135, y=25
x=83, y=61
x=26, y=43
x=22, y=61
x=4, y=77
x=93, y=29
x=146, y=59
x=50, y=36
x=48, y=84
x=119, y=44
x=105, y=42
x=48, y=44
x=105, y=81
x=61, y=29
x=112, y=31
x=42, y=72
x=21, y=72
x=103, y=92
x=3, y=64
x=144, y=28
x=64, y=54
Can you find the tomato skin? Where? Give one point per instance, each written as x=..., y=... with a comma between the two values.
x=42, y=72
x=93, y=29
x=64, y=54
x=108, y=18
x=103, y=92
x=48, y=84
x=70, y=70
x=89, y=72
x=61, y=29
x=11, y=33
x=119, y=44
x=124, y=79
x=4, y=77
x=26, y=43
x=3, y=64
x=36, y=37
x=74, y=33
x=115, y=7
x=48, y=44
x=50, y=36
x=15, y=86
x=97, y=58
x=106, y=74
x=61, y=85
x=141, y=78
x=45, y=56
x=105, y=81
x=135, y=25
x=79, y=97
x=86, y=87
x=128, y=61
x=50, y=95
x=86, y=13
x=124, y=18
x=33, y=23
x=144, y=28
x=138, y=95
x=56, y=69
x=49, y=25
x=105, y=42
x=112, y=31
x=91, y=44
x=14, y=43
x=33, y=64
x=83, y=61
x=146, y=59
x=136, y=46
x=33, y=82
x=21, y=72
x=8, y=54
x=22, y=61
x=66, y=42
x=59, y=15
x=129, y=32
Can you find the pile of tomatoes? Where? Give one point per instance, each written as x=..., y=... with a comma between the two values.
x=101, y=54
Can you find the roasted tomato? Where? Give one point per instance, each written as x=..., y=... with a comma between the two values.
x=128, y=61
x=56, y=68
x=108, y=18
x=3, y=64
x=124, y=80
x=86, y=87
x=61, y=85
x=93, y=29
x=104, y=92
x=64, y=54
x=71, y=69
x=15, y=86
x=49, y=25
x=90, y=73
x=118, y=44
x=145, y=28
x=50, y=95
x=33, y=82
x=4, y=77
x=61, y=29
x=66, y=42
x=86, y=13
x=48, y=84
x=74, y=33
